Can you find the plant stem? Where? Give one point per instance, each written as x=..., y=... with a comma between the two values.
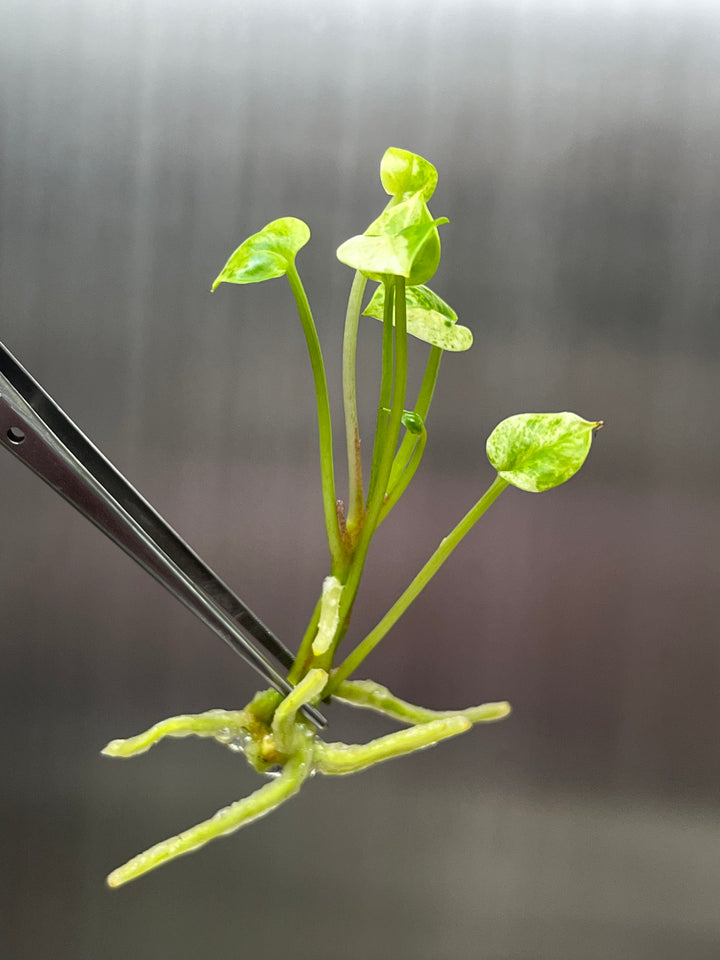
x=427, y=388
x=327, y=473
x=384, y=459
x=439, y=557
x=355, y=509
x=385, y=385
x=399, y=481
x=303, y=658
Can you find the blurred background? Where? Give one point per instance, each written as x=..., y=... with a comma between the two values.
x=577, y=147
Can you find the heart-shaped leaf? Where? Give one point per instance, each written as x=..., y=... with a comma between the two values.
x=403, y=173
x=397, y=216
x=411, y=181
x=429, y=318
x=266, y=254
x=396, y=255
x=538, y=451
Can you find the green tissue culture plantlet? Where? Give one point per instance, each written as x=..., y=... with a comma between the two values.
x=400, y=251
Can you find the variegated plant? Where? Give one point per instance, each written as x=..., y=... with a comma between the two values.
x=401, y=251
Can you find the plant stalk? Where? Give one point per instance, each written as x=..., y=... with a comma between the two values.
x=327, y=471
x=447, y=545
x=399, y=481
x=384, y=460
x=355, y=511
x=422, y=407
x=385, y=386
x=303, y=657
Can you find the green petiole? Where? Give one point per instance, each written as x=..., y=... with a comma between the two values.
x=303, y=658
x=384, y=458
x=432, y=566
x=355, y=510
x=386, y=381
x=422, y=408
x=327, y=471
x=400, y=478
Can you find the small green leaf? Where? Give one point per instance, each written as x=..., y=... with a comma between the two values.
x=396, y=255
x=429, y=318
x=401, y=214
x=403, y=173
x=410, y=180
x=266, y=254
x=412, y=422
x=538, y=451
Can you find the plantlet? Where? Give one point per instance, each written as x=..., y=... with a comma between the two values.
x=534, y=452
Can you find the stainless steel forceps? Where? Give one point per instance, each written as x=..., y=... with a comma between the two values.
x=35, y=430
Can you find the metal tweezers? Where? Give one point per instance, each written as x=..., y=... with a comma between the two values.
x=35, y=430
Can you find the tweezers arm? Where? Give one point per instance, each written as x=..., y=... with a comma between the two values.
x=24, y=434
x=28, y=396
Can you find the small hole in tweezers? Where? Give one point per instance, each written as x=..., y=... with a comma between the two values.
x=15, y=435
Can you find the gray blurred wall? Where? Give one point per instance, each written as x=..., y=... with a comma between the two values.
x=577, y=146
